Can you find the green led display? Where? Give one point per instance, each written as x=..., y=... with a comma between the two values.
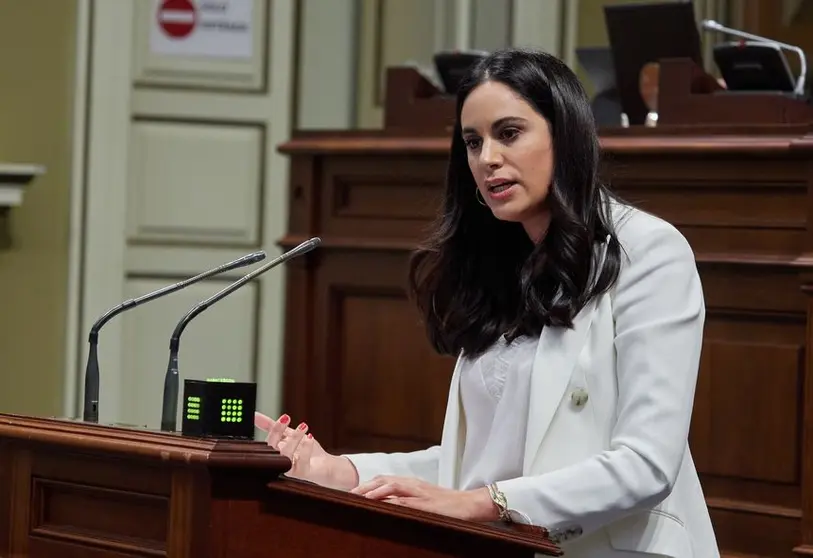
x=193, y=407
x=231, y=410
x=219, y=407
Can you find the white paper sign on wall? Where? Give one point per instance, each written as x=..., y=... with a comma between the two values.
x=202, y=28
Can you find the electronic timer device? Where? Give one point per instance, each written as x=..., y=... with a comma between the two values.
x=219, y=408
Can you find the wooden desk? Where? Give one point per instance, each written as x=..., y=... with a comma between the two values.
x=358, y=367
x=75, y=490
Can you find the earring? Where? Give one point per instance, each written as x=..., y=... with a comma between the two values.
x=479, y=197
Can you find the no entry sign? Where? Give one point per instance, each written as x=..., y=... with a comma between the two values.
x=214, y=29
x=177, y=18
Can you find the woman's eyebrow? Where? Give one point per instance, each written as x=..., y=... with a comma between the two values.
x=497, y=123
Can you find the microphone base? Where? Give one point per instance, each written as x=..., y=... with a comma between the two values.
x=91, y=403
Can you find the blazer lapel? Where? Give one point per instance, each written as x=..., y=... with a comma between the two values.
x=452, y=439
x=556, y=356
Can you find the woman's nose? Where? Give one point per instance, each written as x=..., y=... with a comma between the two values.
x=490, y=154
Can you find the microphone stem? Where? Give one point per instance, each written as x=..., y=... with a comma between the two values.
x=91, y=403
x=169, y=411
x=91, y=410
x=170, y=402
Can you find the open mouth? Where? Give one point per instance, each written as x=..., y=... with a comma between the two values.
x=501, y=187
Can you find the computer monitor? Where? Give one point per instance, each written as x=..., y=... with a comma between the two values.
x=754, y=66
x=648, y=32
x=453, y=66
x=598, y=65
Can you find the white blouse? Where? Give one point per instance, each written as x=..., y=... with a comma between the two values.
x=494, y=390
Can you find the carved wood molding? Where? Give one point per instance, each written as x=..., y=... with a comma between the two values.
x=165, y=447
x=632, y=144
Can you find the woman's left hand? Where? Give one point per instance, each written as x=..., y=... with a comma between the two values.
x=471, y=505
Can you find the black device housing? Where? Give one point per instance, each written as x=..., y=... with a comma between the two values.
x=219, y=409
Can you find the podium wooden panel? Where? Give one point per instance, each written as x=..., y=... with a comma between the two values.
x=75, y=490
x=358, y=367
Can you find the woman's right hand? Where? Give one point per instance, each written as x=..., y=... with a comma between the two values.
x=309, y=461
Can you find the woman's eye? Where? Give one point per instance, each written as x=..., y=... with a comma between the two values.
x=472, y=143
x=509, y=133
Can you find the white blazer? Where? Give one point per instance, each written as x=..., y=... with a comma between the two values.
x=607, y=468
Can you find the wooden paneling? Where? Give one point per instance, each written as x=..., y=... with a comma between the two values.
x=369, y=325
x=395, y=200
x=115, y=519
x=358, y=362
x=731, y=421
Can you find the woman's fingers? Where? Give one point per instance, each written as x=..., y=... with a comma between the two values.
x=386, y=491
x=263, y=422
x=266, y=423
x=394, y=489
x=302, y=456
x=291, y=442
x=373, y=483
x=386, y=486
x=278, y=431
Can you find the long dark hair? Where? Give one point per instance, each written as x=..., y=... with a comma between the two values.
x=476, y=277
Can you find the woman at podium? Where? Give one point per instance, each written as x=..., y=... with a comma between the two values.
x=577, y=324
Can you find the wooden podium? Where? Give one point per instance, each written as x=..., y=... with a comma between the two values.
x=75, y=490
x=733, y=172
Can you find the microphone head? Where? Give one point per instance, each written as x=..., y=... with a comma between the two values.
x=308, y=245
x=254, y=258
x=711, y=24
x=248, y=259
x=302, y=248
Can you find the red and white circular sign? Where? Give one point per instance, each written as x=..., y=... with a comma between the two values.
x=177, y=18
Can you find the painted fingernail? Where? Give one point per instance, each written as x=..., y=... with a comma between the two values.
x=285, y=419
x=302, y=426
x=310, y=435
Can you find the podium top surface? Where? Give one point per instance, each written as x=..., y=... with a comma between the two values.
x=165, y=447
x=522, y=536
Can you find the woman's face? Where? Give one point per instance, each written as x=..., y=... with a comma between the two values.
x=510, y=154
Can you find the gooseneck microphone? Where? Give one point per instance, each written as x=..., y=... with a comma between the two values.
x=169, y=407
x=711, y=25
x=91, y=403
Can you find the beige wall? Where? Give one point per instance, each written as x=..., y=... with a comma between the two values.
x=36, y=86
